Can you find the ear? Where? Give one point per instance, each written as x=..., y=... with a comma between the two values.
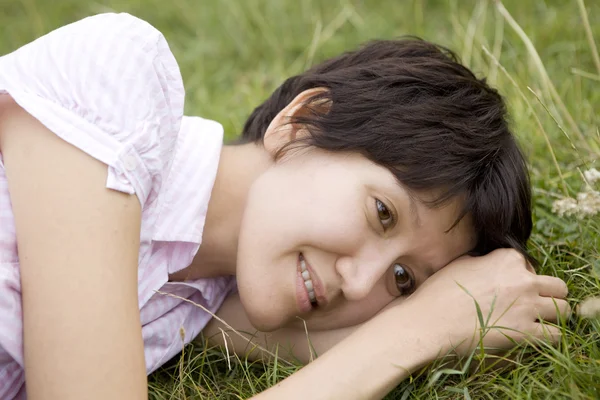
x=280, y=131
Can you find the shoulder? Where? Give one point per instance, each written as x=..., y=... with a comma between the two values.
x=109, y=85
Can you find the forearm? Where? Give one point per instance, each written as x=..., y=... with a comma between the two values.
x=368, y=364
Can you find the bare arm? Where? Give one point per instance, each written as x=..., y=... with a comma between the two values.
x=367, y=364
x=353, y=363
x=437, y=319
x=78, y=247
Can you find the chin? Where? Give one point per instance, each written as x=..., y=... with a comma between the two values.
x=263, y=318
x=264, y=324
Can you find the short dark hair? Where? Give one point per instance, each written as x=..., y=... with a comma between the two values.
x=411, y=107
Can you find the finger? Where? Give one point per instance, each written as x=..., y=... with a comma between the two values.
x=538, y=332
x=549, y=286
x=549, y=309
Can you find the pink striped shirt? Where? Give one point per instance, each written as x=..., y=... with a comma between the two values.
x=110, y=86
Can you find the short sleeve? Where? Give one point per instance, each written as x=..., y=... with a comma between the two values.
x=109, y=85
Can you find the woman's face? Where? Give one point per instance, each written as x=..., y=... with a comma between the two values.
x=357, y=232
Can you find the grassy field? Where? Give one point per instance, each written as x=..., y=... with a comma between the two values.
x=540, y=54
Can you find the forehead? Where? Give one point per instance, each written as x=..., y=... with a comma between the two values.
x=438, y=241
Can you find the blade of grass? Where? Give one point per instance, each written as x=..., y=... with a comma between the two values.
x=589, y=34
x=540, y=67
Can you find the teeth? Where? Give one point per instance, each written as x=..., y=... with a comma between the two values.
x=307, y=281
x=309, y=285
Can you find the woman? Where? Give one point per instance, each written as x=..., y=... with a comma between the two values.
x=372, y=198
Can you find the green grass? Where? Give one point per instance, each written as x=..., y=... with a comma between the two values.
x=233, y=53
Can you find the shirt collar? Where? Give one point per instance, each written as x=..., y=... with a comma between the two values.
x=186, y=191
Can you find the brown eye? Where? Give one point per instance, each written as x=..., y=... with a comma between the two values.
x=383, y=213
x=404, y=280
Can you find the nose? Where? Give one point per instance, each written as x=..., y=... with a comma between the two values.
x=359, y=278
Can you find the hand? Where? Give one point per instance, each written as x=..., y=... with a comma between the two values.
x=511, y=297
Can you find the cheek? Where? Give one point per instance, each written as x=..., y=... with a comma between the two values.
x=302, y=208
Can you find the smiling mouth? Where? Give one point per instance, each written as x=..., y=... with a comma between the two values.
x=308, y=283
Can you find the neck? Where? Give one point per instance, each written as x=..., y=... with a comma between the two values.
x=239, y=166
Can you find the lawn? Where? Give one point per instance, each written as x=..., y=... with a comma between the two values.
x=541, y=56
